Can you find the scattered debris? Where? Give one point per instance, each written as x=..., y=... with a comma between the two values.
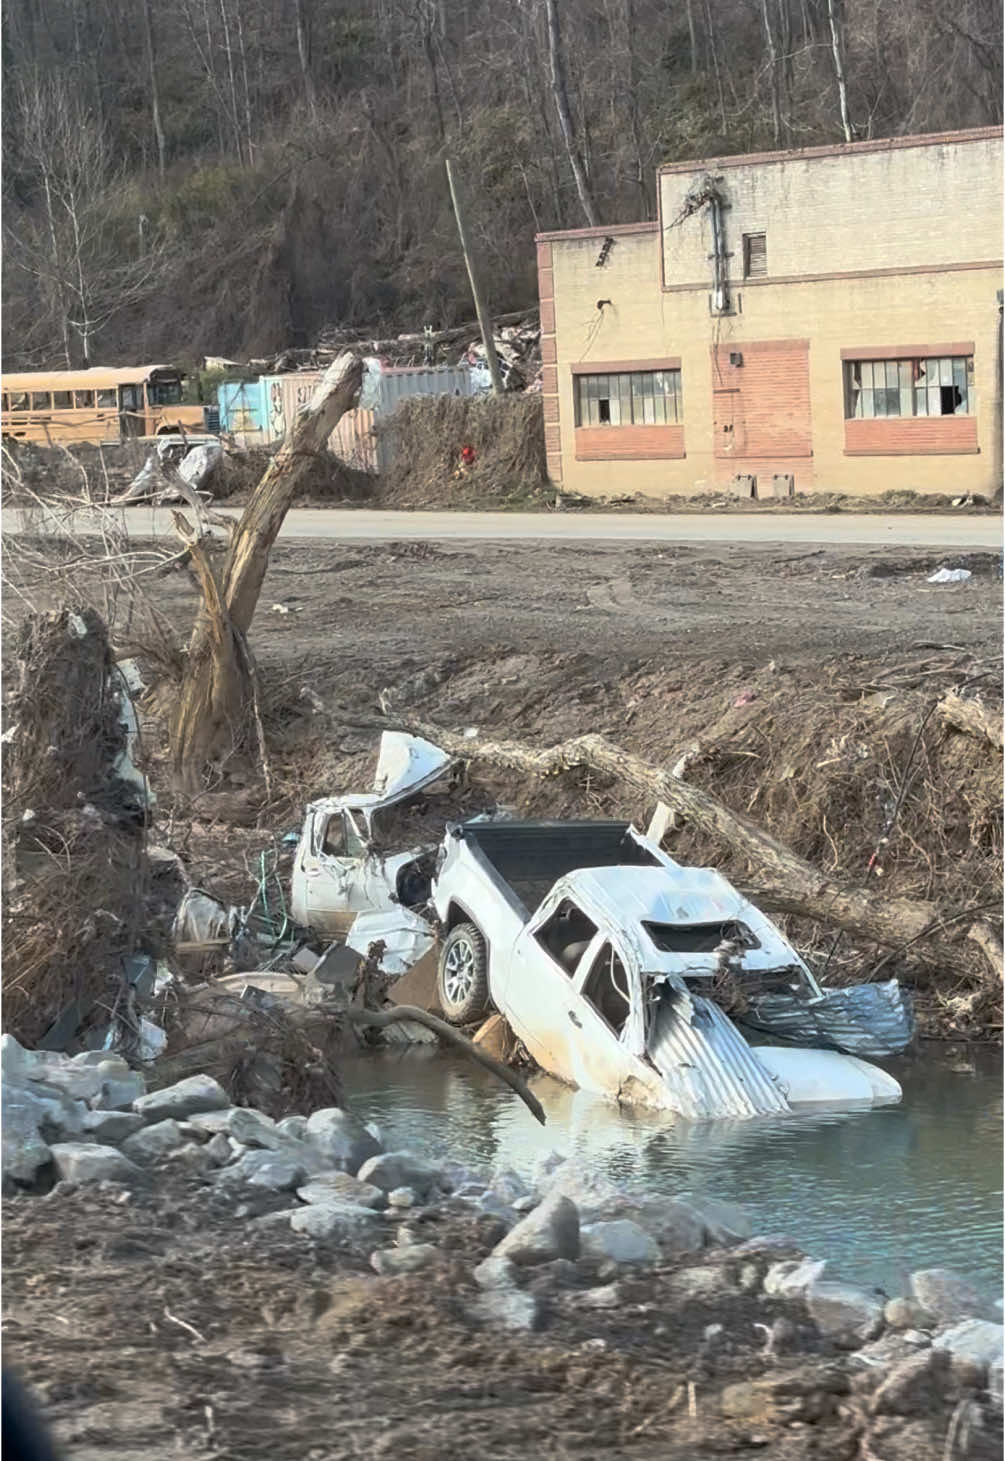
x=950, y=575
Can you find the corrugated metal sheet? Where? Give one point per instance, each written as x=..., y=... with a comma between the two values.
x=242, y=407
x=708, y=1067
x=400, y=382
x=870, y=1020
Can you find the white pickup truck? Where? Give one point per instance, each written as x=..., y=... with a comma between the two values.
x=613, y=963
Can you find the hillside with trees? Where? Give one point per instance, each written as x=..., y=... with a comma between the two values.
x=238, y=176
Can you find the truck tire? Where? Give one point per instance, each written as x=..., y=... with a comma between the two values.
x=462, y=980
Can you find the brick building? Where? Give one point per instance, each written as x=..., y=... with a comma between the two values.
x=825, y=319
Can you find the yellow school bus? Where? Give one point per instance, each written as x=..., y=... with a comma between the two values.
x=101, y=405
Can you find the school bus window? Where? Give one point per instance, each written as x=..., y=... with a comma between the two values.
x=84, y=400
x=19, y=401
x=164, y=392
x=62, y=400
x=107, y=400
x=6, y=402
x=40, y=401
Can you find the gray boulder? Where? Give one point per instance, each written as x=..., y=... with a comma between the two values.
x=342, y=1139
x=843, y=1312
x=907, y=1314
x=254, y=1129
x=24, y=1151
x=83, y=1161
x=186, y=1098
x=495, y=1273
x=507, y=1309
x=401, y=1197
x=702, y=1282
x=121, y=1092
x=676, y=1226
x=154, y=1142
x=550, y=1230
x=111, y=1127
x=341, y=1187
x=205, y=1124
x=724, y=1222
x=908, y=1386
x=277, y=1171
x=606, y=1296
x=974, y=1340
x=391, y=1261
x=218, y=1150
x=333, y=1220
x=59, y=1118
x=619, y=1241
x=509, y=1187
x=294, y=1127
x=401, y=1169
x=790, y=1278
x=80, y=1083
x=949, y=1296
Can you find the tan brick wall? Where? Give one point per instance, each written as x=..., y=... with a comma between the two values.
x=628, y=443
x=852, y=314
x=898, y=208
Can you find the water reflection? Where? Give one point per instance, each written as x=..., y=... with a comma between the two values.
x=880, y=1191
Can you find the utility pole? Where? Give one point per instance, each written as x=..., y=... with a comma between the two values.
x=484, y=322
x=999, y=423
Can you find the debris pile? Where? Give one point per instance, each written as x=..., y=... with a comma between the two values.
x=74, y=811
x=429, y=438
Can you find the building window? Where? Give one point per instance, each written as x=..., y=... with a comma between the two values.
x=638, y=398
x=755, y=255
x=936, y=386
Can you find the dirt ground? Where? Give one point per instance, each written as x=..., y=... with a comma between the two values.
x=166, y=1325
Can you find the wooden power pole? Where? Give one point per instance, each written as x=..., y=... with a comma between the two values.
x=484, y=321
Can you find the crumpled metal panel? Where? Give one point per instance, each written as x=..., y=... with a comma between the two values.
x=864, y=1019
x=707, y=1066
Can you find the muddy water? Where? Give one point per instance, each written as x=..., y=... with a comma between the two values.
x=880, y=1192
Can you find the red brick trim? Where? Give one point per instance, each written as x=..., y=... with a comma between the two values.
x=549, y=351
x=550, y=406
x=615, y=367
x=836, y=149
x=629, y=443
x=614, y=230
x=892, y=273
x=911, y=436
x=555, y=466
x=906, y=352
x=549, y=380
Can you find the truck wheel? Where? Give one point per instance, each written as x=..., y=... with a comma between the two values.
x=462, y=982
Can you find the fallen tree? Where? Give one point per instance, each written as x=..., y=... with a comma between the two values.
x=785, y=882
x=217, y=701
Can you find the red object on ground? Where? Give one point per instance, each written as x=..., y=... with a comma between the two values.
x=467, y=455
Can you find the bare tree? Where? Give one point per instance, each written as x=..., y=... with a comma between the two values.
x=155, y=105
x=560, y=91
x=837, y=53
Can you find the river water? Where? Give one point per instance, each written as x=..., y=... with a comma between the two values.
x=880, y=1192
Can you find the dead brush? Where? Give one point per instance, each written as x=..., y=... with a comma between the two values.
x=427, y=434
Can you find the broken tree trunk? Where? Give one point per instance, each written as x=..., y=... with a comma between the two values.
x=217, y=697
x=785, y=883
x=971, y=717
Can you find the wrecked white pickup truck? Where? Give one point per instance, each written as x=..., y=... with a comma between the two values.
x=619, y=982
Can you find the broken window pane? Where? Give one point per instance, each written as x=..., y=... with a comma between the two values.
x=335, y=840
x=84, y=400
x=606, y=988
x=567, y=935
x=936, y=386
x=40, y=401
x=19, y=401
x=62, y=400
x=107, y=400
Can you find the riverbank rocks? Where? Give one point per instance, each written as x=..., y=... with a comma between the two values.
x=843, y=1312
x=791, y=1278
x=389, y=1262
x=187, y=1098
x=392, y=1170
x=550, y=1230
x=620, y=1241
x=499, y=1308
x=254, y=1129
x=111, y=1126
x=153, y=1142
x=496, y=1273
x=949, y=1296
x=339, y=1220
x=341, y=1187
x=342, y=1139
x=724, y=1222
x=975, y=1340
x=81, y=1161
x=25, y=1154
x=701, y=1282
x=907, y=1314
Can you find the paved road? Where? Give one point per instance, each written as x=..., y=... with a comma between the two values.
x=900, y=530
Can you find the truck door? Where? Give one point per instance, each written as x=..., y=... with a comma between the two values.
x=538, y=996
x=603, y=1002
x=329, y=873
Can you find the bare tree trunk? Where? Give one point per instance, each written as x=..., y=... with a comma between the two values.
x=217, y=691
x=155, y=104
x=692, y=36
x=786, y=883
x=561, y=95
x=633, y=107
x=837, y=52
x=713, y=49
x=776, y=95
x=303, y=15
x=249, y=142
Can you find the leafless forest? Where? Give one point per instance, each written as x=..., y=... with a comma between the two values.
x=236, y=176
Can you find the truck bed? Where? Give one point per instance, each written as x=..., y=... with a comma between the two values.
x=529, y=857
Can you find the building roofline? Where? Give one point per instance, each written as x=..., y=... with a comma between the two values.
x=613, y=230
x=834, y=149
